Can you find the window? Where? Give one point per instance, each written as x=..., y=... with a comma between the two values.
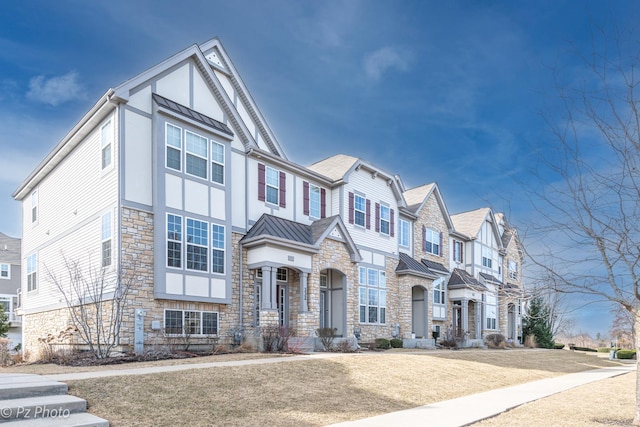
x=403, y=238
x=106, y=143
x=372, y=295
x=360, y=211
x=196, y=155
x=32, y=272
x=490, y=310
x=197, y=245
x=34, y=207
x=513, y=270
x=173, y=138
x=106, y=239
x=314, y=201
x=5, y=304
x=272, y=185
x=385, y=218
x=217, y=162
x=432, y=241
x=281, y=274
x=438, y=292
x=486, y=257
x=179, y=322
x=5, y=271
x=457, y=251
x=174, y=241
x=217, y=253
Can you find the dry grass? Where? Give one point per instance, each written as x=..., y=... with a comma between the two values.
x=610, y=402
x=317, y=392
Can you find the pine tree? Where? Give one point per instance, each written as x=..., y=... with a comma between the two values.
x=537, y=322
x=4, y=323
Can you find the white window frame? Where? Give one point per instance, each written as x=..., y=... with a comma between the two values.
x=106, y=240
x=4, y=267
x=7, y=301
x=403, y=235
x=106, y=146
x=432, y=247
x=200, y=320
x=457, y=251
x=169, y=146
x=175, y=236
x=363, y=211
x=282, y=274
x=269, y=173
x=314, y=201
x=32, y=272
x=191, y=151
x=372, y=296
x=487, y=258
x=190, y=225
x=513, y=269
x=218, y=246
x=217, y=160
x=34, y=207
x=491, y=312
x=385, y=219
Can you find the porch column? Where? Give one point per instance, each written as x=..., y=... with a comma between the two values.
x=274, y=292
x=479, y=321
x=465, y=317
x=266, y=288
x=304, y=305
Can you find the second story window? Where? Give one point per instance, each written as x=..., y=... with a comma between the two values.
x=273, y=185
x=32, y=272
x=106, y=239
x=217, y=162
x=174, y=147
x=432, y=242
x=385, y=220
x=513, y=270
x=403, y=239
x=359, y=210
x=486, y=258
x=106, y=143
x=197, y=245
x=217, y=253
x=5, y=271
x=197, y=155
x=457, y=251
x=314, y=201
x=174, y=241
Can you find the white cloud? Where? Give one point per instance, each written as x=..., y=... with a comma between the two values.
x=384, y=59
x=56, y=90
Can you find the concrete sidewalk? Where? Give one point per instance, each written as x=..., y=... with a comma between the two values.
x=476, y=407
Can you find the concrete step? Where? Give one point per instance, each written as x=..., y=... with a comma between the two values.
x=82, y=419
x=18, y=386
x=54, y=406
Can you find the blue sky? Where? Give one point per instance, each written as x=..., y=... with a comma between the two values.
x=434, y=91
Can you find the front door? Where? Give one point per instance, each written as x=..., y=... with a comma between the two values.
x=418, y=312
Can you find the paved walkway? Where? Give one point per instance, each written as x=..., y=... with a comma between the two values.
x=455, y=412
x=476, y=407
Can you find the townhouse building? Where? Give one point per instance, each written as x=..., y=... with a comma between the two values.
x=175, y=179
x=10, y=286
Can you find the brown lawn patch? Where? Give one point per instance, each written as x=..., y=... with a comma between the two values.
x=316, y=392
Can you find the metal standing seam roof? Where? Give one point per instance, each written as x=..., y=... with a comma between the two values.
x=407, y=263
x=490, y=277
x=189, y=113
x=435, y=266
x=461, y=279
x=268, y=225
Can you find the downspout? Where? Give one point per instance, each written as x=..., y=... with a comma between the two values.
x=240, y=285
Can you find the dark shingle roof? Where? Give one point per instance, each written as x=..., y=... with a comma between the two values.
x=273, y=226
x=435, y=266
x=189, y=113
x=461, y=279
x=407, y=264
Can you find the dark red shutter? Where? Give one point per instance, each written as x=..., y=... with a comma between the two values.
x=424, y=238
x=392, y=225
x=368, y=214
x=283, y=190
x=261, y=182
x=305, y=190
x=378, y=217
x=441, y=250
x=461, y=256
x=323, y=203
x=351, y=207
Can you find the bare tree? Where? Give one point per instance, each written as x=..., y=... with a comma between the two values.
x=97, y=300
x=623, y=327
x=587, y=232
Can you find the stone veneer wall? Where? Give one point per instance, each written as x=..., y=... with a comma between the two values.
x=42, y=325
x=431, y=216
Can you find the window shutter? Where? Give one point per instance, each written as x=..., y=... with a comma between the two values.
x=461, y=255
x=441, y=250
x=283, y=190
x=305, y=190
x=392, y=223
x=368, y=214
x=261, y=182
x=377, y=216
x=323, y=203
x=351, y=208
x=424, y=238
